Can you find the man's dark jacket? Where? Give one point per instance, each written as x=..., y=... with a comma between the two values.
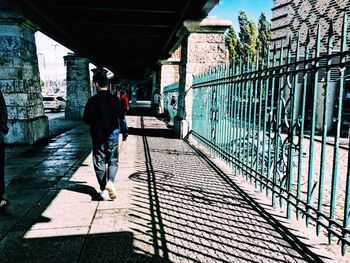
x=104, y=114
x=3, y=115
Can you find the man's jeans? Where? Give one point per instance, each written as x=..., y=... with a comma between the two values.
x=105, y=159
x=2, y=165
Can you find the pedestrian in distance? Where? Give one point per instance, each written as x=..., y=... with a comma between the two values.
x=118, y=96
x=3, y=131
x=103, y=113
x=125, y=101
x=173, y=108
x=173, y=103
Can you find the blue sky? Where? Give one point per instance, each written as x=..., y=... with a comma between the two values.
x=229, y=9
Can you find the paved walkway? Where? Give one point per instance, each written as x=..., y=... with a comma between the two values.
x=173, y=205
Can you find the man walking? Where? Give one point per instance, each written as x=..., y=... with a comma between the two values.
x=104, y=115
x=3, y=131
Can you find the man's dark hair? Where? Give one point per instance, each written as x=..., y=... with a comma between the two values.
x=100, y=76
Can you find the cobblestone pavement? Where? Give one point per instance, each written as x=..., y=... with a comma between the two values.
x=200, y=217
x=172, y=206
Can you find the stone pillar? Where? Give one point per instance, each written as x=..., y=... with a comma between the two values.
x=169, y=74
x=78, y=86
x=203, y=45
x=19, y=77
x=153, y=80
x=169, y=69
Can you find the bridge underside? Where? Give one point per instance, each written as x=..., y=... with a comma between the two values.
x=126, y=36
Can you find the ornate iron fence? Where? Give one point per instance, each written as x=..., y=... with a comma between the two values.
x=170, y=92
x=278, y=121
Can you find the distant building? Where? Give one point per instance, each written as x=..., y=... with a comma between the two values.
x=290, y=17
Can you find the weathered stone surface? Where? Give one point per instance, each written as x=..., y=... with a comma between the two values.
x=74, y=112
x=169, y=75
x=25, y=130
x=78, y=86
x=20, y=80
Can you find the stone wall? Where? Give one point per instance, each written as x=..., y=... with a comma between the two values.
x=20, y=81
x=291, y=17
x=169, y=74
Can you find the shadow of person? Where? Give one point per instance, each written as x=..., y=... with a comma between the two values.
x=114, y=247
x=106, y=247
x=84, y=189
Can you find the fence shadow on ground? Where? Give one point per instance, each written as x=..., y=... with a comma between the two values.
x=184, y=207
x=197, y=214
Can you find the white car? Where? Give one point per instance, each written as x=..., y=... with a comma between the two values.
x=54, y=103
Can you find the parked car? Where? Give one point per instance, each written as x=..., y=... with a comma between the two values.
x=54, y=103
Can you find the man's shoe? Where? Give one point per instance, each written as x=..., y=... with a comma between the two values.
x=111, y=191
x=3, y=203
x=104, y=195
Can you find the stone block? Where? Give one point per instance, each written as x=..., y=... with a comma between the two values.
x=12, y=112
x=35, y=111
x=11, y=99
x=28, y=36
x=8, y=30
x=5, y=60
x=7, y=86
x=73, y=102
x=34, y=97
x=206, y=38
x=17, y=62
x=10, y=45
x=74, y=112
x=215, y=38
x=32, y=86
x=10, y=73
x=22, y=113
x=27, y=131
x=18, y=86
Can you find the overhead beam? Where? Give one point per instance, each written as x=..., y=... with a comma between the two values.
x=110, y=9
x=120, y=24
x=123, y=5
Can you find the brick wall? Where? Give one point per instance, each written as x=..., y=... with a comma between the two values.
x=292, y=16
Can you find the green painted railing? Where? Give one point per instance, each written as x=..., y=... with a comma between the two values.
x=277, y=122
x=169, y=92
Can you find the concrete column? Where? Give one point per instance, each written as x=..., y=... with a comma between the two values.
x=19, y=77
x=203, y=45
x=78, y=86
